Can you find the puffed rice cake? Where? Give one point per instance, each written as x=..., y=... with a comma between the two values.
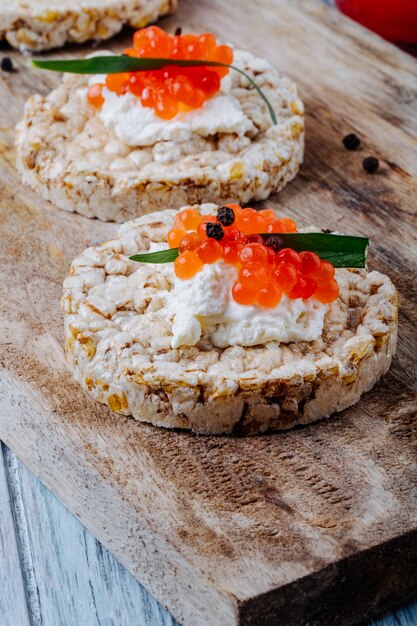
x=42, y=24
x=66, y=154
x=118, y=346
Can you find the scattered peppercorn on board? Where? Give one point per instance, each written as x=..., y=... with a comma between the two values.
x=317, y=525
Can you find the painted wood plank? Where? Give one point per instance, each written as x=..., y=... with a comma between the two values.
x=13, y=603
x=223, y=530
x=403, y=617
x=77, y=581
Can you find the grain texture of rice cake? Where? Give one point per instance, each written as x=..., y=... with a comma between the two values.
x=43, y=24
x=118, y=346
x=65, y=152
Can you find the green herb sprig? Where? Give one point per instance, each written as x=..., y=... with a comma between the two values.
x=339, y=250
x=125, y=63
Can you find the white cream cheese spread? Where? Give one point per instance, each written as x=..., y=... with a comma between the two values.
x=204, y=305
x=139, y=126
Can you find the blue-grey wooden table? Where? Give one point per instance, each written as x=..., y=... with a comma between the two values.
x=54, y=573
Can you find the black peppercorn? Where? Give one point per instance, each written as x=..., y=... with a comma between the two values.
x=370, y=164
x=226, y=216
x=275, y=242
x=6, y=64
x=351, y=141
x=178, y=31
x=326, y=231
x=214, y=230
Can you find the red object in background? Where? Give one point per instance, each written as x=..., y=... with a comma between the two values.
x=395, y=20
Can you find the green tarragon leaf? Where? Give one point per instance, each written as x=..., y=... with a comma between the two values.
x=160, y=256
x=339, y=250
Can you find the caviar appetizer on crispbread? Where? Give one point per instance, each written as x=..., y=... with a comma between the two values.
x=177, y=119
x=227, y=320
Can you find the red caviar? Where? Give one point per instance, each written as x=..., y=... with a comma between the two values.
x=189, y=219
x=117, y=82
x=95, y=96
x=187, y=264
x=242, y=295
x=270, y=295
x=209, y=251
x=253, y=275
x=253, y=252
x=327, y=292
x=264, y=269
x=172, y=88
x=174, y=237
x=231, y=253
x=190, y=241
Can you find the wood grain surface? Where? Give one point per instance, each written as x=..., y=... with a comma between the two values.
x=317, y=525
x=54, y=548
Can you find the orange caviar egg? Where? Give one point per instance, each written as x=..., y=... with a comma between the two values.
x=95, y=96
x=153, y=42
x=189, y=219
x=328, y=292
x=286, y=255
x=303, y=288
x=140, y=39
x=165, y=105
x=277, y=226
x=235, y=235
x=209, y=251
x=270, y=295
x=253, y=275
x=255, y=239
x=289, y=224
x=270, y=255
x=136, y=84
x=206, y=80
x=187, y=264
x=325, y=273
x=253, y=252
x=268, y=215
x=117, y=82
x=130, y=52
x=286, y=275
x=190, y=241
x=208, y=45
x=222, y=54
x=196, y=100
x=182, y=89
x=231, y=252
x=310, y=263
x=174, y=237
x=191, y=47
x=251, y=222
x=242, y=295
x=148, y=98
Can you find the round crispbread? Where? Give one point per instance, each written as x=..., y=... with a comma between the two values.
x=118, y=345
x=65, y=152
x=42, y=24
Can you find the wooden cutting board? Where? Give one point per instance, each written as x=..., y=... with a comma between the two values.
x=313, y=526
